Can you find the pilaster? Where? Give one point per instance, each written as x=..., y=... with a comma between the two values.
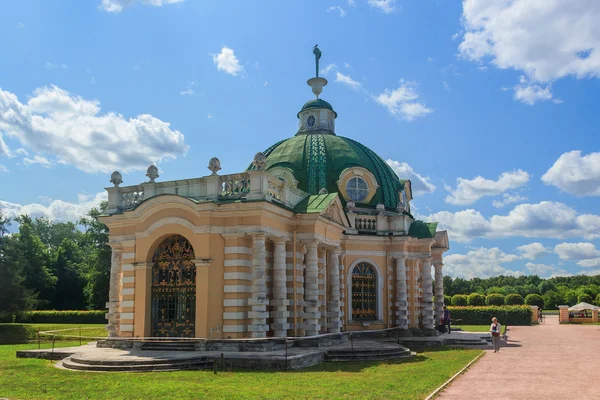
x=333, y=280
x=259, y=301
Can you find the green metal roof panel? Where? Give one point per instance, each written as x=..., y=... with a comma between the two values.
x=423, y=230
x=315, y=204
x=317, y=103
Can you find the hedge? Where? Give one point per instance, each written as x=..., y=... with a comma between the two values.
x=514, y=299
x=62, y=317
x=476, y=299
x=459, y=300
x=534, y=300
x=494, y=299
x=447, y=300
x=507, y=315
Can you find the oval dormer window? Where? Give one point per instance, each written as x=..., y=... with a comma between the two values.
x=357, y=189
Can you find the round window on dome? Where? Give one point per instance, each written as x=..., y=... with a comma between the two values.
x=357, y=189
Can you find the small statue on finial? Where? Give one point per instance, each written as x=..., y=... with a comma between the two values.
x=214, y=165
x=317, y=54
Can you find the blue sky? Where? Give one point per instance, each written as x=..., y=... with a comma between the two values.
x=489, y=107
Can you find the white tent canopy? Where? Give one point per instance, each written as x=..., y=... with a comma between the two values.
x=583, y=306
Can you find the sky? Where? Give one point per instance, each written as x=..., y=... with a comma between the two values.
x=490, y=107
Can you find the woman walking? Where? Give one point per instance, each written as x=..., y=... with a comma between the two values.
x=495, y=331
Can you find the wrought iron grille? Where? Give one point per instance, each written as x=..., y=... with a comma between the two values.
x=364, y=293
x=174, y=289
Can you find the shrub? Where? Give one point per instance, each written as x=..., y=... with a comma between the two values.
x=534, y=300
x=63, y=317
x=459, y=300
x=514, y=300
x=584, y=298
x=476, y=299
x=513, y=315
x=447, y=300
x=598, y=300
x=494, y=299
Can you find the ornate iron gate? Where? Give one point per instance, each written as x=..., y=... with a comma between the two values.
x=364, y=293
x=174, y=289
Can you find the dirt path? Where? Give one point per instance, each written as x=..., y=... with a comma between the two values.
x=549, y=361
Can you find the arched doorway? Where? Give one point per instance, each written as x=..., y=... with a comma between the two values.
x=173, y=289
x=364, y=292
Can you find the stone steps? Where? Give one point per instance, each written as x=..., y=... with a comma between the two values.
x=381, y=353
x=147, y=365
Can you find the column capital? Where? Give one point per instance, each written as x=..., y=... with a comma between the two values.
x=257, y=235
x=337, y=252
x=115, y=246
x=311, y=243
x=438, y=263
x=279, y=239
x=399, y=255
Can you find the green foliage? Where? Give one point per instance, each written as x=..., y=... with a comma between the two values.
x=584, y=298
x=63, y=317
x=534, y=300
x=552, y=299
x=494, y=299
x=476, y=299
x=546, y=286
x=570, y=297
x=447, y=300
x=460, y=300
x=514, y=299
x=513, y=315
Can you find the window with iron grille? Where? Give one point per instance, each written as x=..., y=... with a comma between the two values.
x=364, y=292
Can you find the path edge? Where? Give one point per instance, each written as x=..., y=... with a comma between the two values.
x=449, y=381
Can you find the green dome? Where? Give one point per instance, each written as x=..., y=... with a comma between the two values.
x=316, y=103
x=317, y=161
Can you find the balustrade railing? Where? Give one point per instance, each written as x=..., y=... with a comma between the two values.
x=131, y=196
x=366, y=224
x=234, y=186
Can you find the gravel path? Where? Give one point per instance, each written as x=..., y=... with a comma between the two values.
x=548, y=361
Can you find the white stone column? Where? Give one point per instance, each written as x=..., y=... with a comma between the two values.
x=311, y=291
x=428, y=322
x=258, y=316
x=333, y=280
x=439, y=290
x=114, y=293
x=401, y=294
x=280, y=314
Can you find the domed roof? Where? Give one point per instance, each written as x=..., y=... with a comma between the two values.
x=317, y=161
x=317, y=103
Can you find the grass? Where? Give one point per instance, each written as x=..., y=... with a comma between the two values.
x=22, y=333
x=411, y=379
x=480, y=328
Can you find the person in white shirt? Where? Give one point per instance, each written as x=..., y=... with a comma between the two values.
x=495, y=331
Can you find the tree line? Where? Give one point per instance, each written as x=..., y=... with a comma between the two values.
x=49, y=265
x=531, y=289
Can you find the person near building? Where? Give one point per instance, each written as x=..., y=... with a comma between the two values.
x=495, y=331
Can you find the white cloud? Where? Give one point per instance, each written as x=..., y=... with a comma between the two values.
x=56, y=66
x=227, y=61
x=530, y=93
x=533, y=251
x=21, y=151
x=347, y=65
x=117, y=6
x=327, y=69
x=575, y=174
x=544, y=39
x=402, y=102
x=347, y=80
x=468, y=191
x=3, y=168
x=338, y=9
x=387, y=6
x=351, y=3
x=586, y=253
x=445, y=84
x=187, y=92
x=209, y=116
x=419, y=184
x=72, y=129
x=508, y=198
x=546, y=271
x=43, y=161
x=56, y=210
x=545, y=219
x=482, y=262
x=4, y=150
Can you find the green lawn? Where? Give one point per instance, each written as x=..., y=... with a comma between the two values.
x=411, y=379
x=20, y=333
x=480, y=328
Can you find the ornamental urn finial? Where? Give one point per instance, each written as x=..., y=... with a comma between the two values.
x=152, y=173
x=214, y=165
x=400, y=207
x=351, y=206
x=380, y=208
x=116, y=178
x=323, y=191
x=260, y=160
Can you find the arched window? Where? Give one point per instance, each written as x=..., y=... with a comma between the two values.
x=364, y=292
x=357, y=189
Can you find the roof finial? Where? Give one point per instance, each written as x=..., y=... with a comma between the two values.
x=317, y=54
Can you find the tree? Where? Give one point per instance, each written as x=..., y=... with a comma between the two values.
x=571, y=297
x=598, y=300
x=584, y=298
x=534, y=300
x=459, y=300
x=546, y=286
x=552, y=299
x=448, y=287
x=513, y=299
x=66, y=265
x=494, y=299
x=476, y=299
